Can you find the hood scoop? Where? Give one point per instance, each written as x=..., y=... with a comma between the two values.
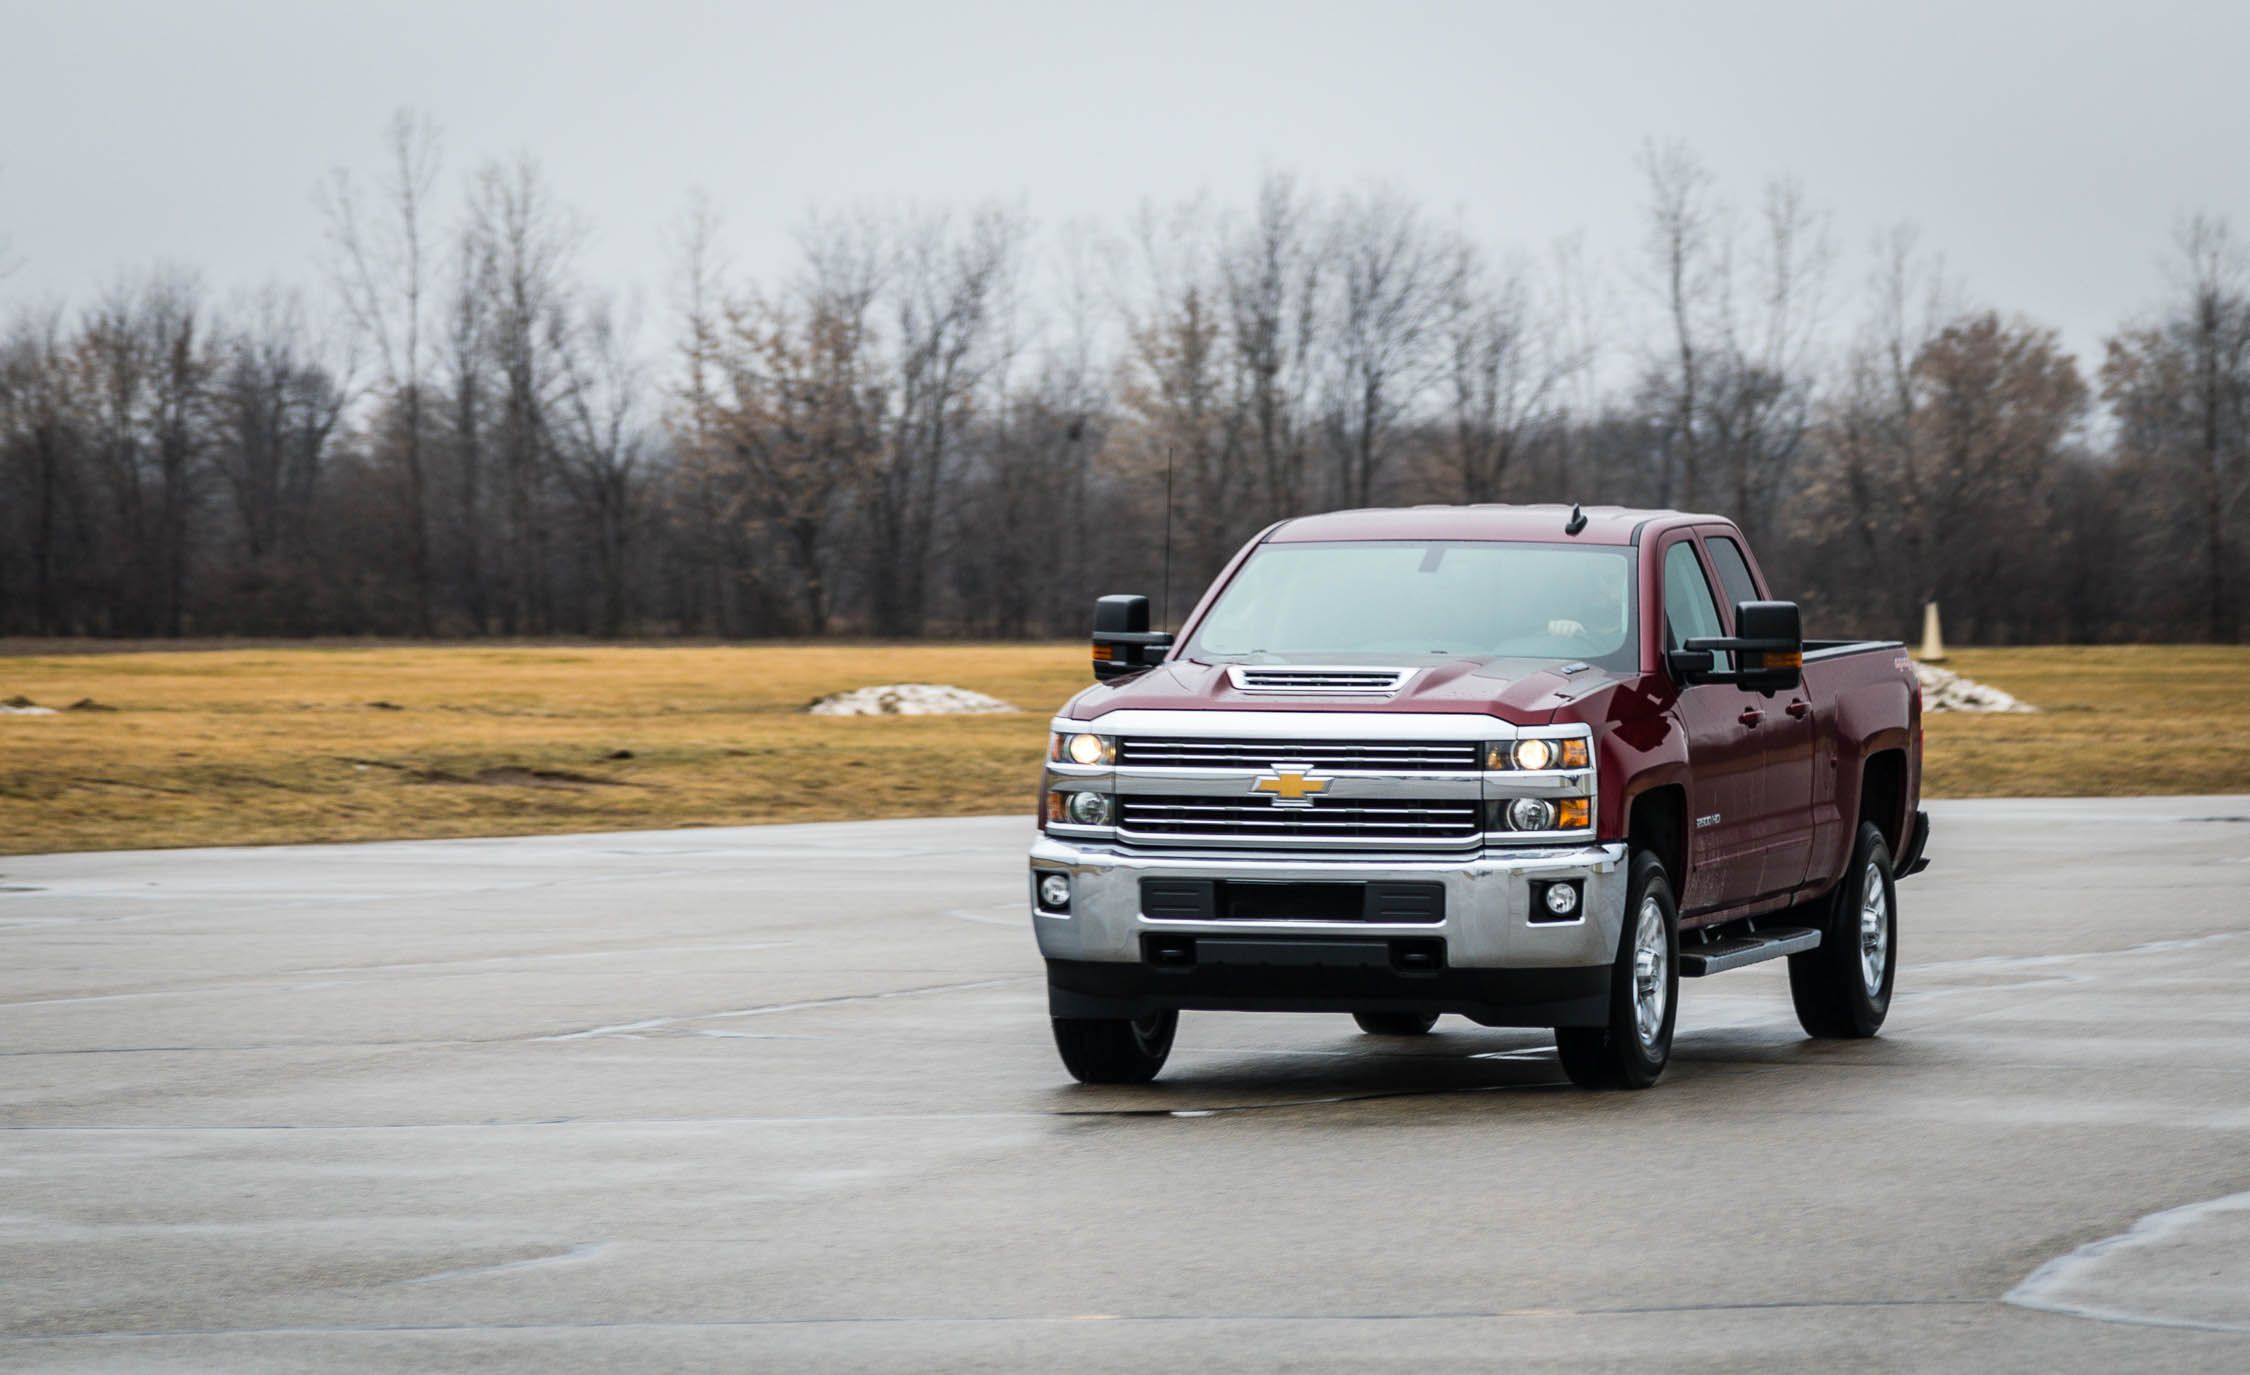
x=1326, y=680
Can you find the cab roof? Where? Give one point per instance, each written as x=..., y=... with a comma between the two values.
x=1543, y=524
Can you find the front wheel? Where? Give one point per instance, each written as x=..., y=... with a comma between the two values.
x=1633, y=1048
x=1842, y=986
x=1115, y=1050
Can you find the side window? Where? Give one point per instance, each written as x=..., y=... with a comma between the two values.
x=1689, y=612
x=1734, y=570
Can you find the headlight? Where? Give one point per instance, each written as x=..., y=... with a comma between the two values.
x=1531, y=814
x=1087, y=809
x=1082, y=748
x=1054, y=892
x=1538, y=753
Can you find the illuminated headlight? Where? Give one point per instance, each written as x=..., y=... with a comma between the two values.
x=1054, y=892
x=1536, y=754
x=1531, y=814
x=1082, y=748
x=1087, y=809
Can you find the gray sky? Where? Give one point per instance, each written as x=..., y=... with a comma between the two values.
x=2045, y=150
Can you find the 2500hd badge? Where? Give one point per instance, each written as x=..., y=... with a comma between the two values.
x=1530, y=765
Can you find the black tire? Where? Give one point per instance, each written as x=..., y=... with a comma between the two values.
x=1619, y=1055
x=1395, y=1023
x=1829, y=983
x=1114, y=1050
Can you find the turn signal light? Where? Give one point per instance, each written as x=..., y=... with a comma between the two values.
x=1574, y=814
x=1573, y=754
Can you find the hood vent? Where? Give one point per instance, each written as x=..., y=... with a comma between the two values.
x=1314, y=678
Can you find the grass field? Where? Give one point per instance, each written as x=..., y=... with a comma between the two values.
x=276, y=744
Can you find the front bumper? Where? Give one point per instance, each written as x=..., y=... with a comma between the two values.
x=1492, y=961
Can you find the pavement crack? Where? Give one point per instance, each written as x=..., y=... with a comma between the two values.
x=768, y=1009
x=1005, y=1319
x=584, y=1250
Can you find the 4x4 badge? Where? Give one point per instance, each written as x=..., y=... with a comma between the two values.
x=1291, y=786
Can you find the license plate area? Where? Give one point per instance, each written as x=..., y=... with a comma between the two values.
x=1206, y=899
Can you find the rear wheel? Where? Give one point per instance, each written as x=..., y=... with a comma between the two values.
x=1842, y=987
x=1395, y=1023
x=1115, y=1050
x=1633, y=1048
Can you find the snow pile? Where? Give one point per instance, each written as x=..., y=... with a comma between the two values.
x=24, y=706
x=908, y=699
x=1945, y=690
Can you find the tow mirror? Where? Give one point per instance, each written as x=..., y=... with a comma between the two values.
x=1690, y=665
x=1123, y=643
x=1768, y=647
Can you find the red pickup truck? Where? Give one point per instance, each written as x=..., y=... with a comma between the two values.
x=1531, y=765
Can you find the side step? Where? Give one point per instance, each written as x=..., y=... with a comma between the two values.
x=1733, y=952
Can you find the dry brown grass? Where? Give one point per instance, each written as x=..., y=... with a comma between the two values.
x=276, y=744
x=267, y=745
x=2114, y=721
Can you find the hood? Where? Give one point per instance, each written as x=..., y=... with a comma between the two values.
x=1524, y=692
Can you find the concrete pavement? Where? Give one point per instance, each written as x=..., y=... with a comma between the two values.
x=784, y=1098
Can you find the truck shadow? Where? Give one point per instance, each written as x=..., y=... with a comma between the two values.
x=1208, y=1080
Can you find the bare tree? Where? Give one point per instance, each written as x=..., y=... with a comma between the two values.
x=1734, y=388
x=1508, y=361
x=717, y=572
x=945, y=288
x=42, y=443
x=278, y=405
x=803, y=413
x=1184, y=437
x=2181, y=392
x=465, y=368
x=532, y=242
x=606, y=443
x=382, y=277
x=1394, y=283
x=1274, y=271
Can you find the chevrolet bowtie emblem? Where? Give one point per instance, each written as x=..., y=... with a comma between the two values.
x=1290, y=786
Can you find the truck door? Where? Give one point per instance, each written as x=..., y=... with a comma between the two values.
x=1725, y=752
x=1784, y=831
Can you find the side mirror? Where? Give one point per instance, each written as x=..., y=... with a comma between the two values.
x=1768, y=645
x=1690, y=666
x=1123, y=643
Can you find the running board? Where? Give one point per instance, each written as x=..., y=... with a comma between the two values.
x=1733, y=952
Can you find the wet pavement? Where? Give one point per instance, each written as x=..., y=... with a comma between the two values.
x=784, y=1097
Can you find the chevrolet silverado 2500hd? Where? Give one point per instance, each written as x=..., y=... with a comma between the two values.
x=1529, y=765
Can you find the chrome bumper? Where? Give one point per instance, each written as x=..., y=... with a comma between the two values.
x=1488, y=901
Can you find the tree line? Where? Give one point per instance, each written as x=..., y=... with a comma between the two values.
x=943, y=423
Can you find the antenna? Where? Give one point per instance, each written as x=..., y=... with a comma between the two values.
x=1577, y=521
x=1164, y=599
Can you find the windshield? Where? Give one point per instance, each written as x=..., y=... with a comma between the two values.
x=1389, y=598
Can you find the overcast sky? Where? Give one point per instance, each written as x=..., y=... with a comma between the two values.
x=2045, y=149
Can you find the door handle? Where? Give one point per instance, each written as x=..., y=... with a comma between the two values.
x=1751, y=716
x=1799, y=708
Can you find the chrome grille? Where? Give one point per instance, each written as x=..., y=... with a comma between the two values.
x=1390, y=756
x=1255, y=820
